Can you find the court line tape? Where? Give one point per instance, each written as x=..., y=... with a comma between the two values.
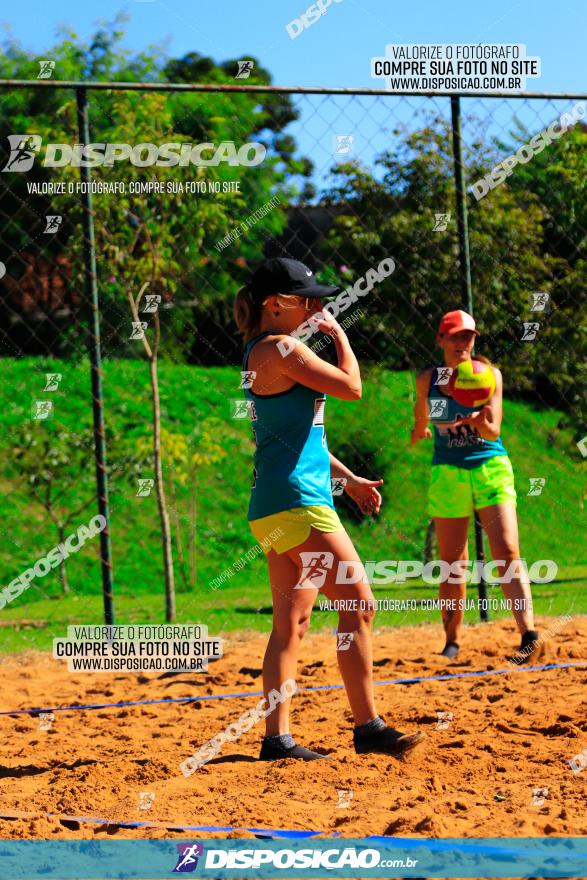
x=322, y=687
x=168, y=826
x=465, y=847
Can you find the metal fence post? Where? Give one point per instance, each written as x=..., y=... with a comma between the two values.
x=91, y=301
x=466, y=289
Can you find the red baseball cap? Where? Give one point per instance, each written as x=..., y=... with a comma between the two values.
x=454, y=322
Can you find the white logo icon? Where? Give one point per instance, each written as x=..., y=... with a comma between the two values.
x=22, y=151
x=247, y=378
x=441, y=222
x=337, y=485
x=579, y=762
x=314, y=568
x=53, y=222
x=530, y=331
x=344, y=143
x=146, y=799
x=345, y=796
x=42, y=409
x=244, y=69
x=343, y=641
x=444, y=720
x=138, y=330
x=152, y=301
x=438, y=408
x=46, y=69
x=46, y=720
x=538, y=796
x=443, y=375
x=536, y=485
x=245, y=409
x=540, y=301
x=53, y=380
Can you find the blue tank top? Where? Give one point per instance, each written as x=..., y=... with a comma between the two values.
x=292, y=465
x=464, y=446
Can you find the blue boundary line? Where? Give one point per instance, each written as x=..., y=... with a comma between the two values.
x=175, y=826
x=323, y=687
x=497, y=848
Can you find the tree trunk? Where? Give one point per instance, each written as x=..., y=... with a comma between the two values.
x=62, y=569
x=161, y=502
x=176, y=525
x=193, y=530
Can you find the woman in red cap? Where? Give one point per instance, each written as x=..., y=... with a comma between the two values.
x=471, y=471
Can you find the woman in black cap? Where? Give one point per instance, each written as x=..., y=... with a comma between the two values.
x=291, y=512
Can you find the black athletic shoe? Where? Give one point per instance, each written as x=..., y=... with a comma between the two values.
x=387, y=742
x=528, y=654
x=272, y=752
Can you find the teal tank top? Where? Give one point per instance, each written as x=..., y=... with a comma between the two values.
x=292, y=465
x=463, y=446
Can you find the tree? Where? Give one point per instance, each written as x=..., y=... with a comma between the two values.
x=50, y=460
x=163, y=241
x=182, y=458
x=390, y=211
x=193, y=275
x=556, y=177
x=152, y=352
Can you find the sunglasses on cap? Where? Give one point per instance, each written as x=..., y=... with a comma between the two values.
x=306, y=301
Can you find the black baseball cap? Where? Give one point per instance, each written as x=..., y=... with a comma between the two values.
x=282, y=275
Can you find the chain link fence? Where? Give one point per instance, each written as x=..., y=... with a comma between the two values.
x=343, y=181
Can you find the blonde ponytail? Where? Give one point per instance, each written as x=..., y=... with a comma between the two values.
x=483, y=359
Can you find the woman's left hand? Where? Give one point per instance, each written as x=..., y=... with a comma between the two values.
x=365, y=495
x=482, y=421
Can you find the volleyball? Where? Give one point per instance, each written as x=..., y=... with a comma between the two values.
x=472, y=383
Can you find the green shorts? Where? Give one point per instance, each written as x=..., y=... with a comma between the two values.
x=456, y=491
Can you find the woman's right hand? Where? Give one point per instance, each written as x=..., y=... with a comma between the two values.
x=418, y=435
x=329, y=325
x=342, y=381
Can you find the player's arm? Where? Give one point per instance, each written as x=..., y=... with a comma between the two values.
x=421, y=431
x=363, y=492
x=488, y=420
x=304, y=366
x=339, y=470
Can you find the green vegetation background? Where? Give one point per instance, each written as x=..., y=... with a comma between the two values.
x=371, y=436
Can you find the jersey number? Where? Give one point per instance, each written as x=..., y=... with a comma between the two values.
x=319, y=405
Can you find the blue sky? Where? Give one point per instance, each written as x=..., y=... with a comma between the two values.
x=336, y=51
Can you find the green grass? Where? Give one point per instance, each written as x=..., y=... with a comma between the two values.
x=37, y=624
x=371, y=436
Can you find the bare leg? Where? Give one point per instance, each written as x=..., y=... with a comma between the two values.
x=356, y=663
x=501, y=525
x=452, y=537
x=295, y=580
x=291, y=616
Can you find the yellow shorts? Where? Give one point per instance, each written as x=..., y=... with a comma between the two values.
x=285, y=530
